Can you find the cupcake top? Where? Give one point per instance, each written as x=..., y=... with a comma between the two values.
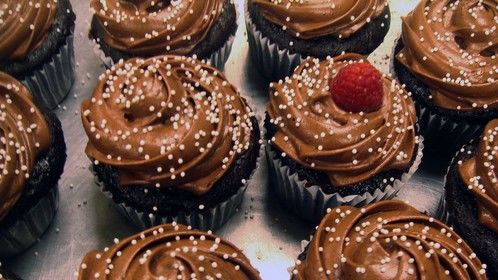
x=169, y=252
x=24, y=26
x=166, y=121
x=317, y=18
x=156, y=27
x=451, y=46
x=386, y=240
x=342, y=117
x=24, y=134
x=478, y=173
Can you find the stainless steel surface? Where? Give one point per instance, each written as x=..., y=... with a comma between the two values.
x=269, y=235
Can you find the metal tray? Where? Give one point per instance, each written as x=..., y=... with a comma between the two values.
x=268, y=234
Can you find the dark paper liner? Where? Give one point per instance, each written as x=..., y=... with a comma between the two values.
x=51, y=82
x=30, y=227
x=204, y=219
x=311, y=203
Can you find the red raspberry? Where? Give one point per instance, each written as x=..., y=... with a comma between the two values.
x=357, y=88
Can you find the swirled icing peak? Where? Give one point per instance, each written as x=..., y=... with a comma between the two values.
x=479, y=174
x=167, y=121
x=24, y=135
x=169, y=252
x=317, y=18
x=148, y=27
x=350, y=147
x=386, y=240
x=452, y=47
x=24, y=25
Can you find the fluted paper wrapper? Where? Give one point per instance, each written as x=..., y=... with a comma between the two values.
x=51, y=82
x=311, y=203
x=274, y=62
x=205, y=219
x=216, y=59
x=30, y=227
x=442, y=132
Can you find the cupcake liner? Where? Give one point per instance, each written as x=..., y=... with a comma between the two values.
x=274, y=62
x=217, y=59
x=205, y=219
x=51, y=82
x=443, y=132
x=30, y=227
x=311, y=203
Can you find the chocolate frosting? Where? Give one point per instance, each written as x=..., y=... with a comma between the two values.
x=170, y=251
x=349, y=147
x=317, y=18
x=451, y=46
x=167, y=121
x=24, y=135
x=24, y=26
x=479, y=174
x=147, y=27
x=386, y=240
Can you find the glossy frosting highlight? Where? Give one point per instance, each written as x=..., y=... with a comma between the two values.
x=479, y=174
x=386, y=240
x=452, y=47
x=170, y=251
x=24, y=25
x=317, y=18
x=349, y=147
x=24, y=134
x=167, y=121
x=146, y=27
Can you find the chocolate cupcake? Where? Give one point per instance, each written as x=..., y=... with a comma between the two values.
x=471, y=195
x=32, y=157
x=282, y=34
x=386, y=240
x=339, y=133
x=447, y=58
x=204, y=29
x=169, y=251
x=171, y=139
x=36, y=46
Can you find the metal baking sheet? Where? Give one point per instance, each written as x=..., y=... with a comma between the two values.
x=268, y=234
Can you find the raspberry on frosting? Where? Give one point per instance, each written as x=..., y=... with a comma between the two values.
x=358, y=88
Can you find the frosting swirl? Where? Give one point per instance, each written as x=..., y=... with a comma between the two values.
x=479, y=174
x=386, y=240
x=167, y=121
x=349, y=147
x=451, y=46
x=24, y=25
x=170, y=251
x=24, y=134
x=317, y=18
x=147, y=27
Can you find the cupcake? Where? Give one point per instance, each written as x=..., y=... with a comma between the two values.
x=386, y=240
x=471, y=195
x=284, y=33
x=171, y=140
x=36, y=47
x=168, y=251
x=339, y=132
x=447, y=59
x=202, y=28
x=32, y=157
